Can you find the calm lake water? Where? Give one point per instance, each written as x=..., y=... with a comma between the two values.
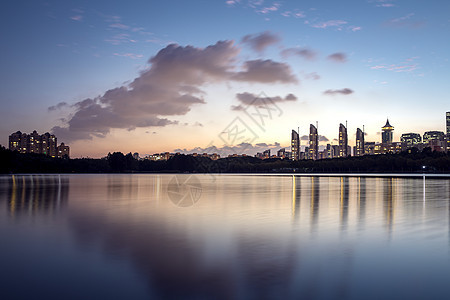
x=223, y=237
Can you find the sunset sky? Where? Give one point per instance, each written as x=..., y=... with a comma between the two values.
x=157, y=76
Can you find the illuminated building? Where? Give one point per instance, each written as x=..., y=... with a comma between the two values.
x=295, y=145
x=387, y=135
x=447, y=120
x=359, y=148
x=410, y=140
x=63, y=151
x=266, y=154
x=343, y=141
x=433, y=135
x=313, y=143
x=34, y=143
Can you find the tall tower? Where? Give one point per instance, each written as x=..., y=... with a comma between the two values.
x=343, y=141
x=359, y=149
x=313, y=142
x=387, y=135
x=295, y=145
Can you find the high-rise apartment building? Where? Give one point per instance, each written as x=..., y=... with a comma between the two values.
x=313, y=142
x=433, y=136
x=343, y=141
x=35, y=143
x=387, y=134
x=295, y=145
x=359, y=148
x=410, y=140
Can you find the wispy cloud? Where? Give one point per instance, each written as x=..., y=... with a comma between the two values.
x=331, y=23
x=338, y=57
x=345, y=91
x=313, y=76
x=404, y=21
x=249, y=98
x=407, y=66
x=77, y=17
x=265, y=10
x=305, y=53
x=129, y=55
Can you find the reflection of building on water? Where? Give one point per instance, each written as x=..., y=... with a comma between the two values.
x=361, y=200
x=36, y=193
x=389, y=201
x=296, y=195
x=344, y=197
x=315, y=194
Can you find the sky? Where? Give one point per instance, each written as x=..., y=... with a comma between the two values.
x=220, y=76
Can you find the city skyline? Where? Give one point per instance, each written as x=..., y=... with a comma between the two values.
x=168, y=76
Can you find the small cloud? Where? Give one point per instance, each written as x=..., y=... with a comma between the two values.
x=274, y=7
x=119, y=26
x=305, y=53
x=338, y=57
x=77, y=18
x=249, y=98
x=404, y=22
x=129, y=55
x=313, y=76
x=345, y=91
x=237, y=107
x=355, y=28
x=266, y=71
x=198, y=124
x=259, y=42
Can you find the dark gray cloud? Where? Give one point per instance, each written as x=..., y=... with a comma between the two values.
x=305, y=53
x=259, y=42
x=58, y=106
x=345, y=91
x=338, y=57
x=249, y=99
x=170, y=87
x=266, y=71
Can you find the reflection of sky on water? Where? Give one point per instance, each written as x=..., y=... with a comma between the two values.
x=257, y=237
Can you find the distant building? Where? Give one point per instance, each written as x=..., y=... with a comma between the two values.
x=433, y=135
x=369, y=148
x=266, y=154
x=343, y=141
x=63, y=151
x=295, y=145
x=281, y=153
x=410, y=140
x=34, y=143
x=313, y=143
x=136, y=156
x=447, y=121
x=387, y=135
x=359, y=148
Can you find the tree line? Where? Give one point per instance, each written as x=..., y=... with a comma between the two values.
x=411, y=161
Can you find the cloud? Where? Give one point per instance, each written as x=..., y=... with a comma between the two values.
x=266, y=71
x=338, y=57
x=305, y=53
x=119, y=26
x=313, y=76
x=259, y=42
x=345, y=91
x=408, y=65
x=274, y=7
x=129, y=55
x=355, y=28
x=331, y=23
x=404, y=21
x=321, y=138
x=171, y=86
x=249, y=99
x=77, y=18
x=58, y=106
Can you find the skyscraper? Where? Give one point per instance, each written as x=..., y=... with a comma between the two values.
x=295, y=145
x=343, y=141
x=447, y=119
x=313, y=142
x=359, y=149
x=387, y=134
x=410, y=140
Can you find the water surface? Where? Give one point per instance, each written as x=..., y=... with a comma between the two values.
x=223, y=237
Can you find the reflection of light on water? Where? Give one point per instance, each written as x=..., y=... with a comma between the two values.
x=293, y=196
x=424, y=191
